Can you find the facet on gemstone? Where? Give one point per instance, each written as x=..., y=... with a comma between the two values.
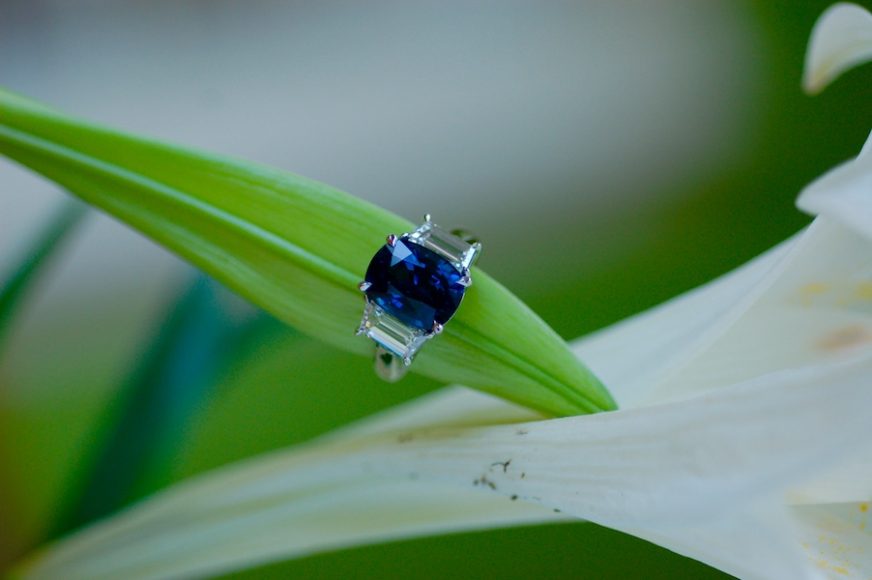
x=414, y=284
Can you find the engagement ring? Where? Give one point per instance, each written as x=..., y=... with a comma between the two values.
x=413, y=286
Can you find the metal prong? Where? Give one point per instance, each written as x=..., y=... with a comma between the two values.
x=391, y=239
x=364, y=286
x=466, y=281
x=437, y=328
x=427, y=217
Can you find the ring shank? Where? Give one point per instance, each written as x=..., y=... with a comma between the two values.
x=388, y=366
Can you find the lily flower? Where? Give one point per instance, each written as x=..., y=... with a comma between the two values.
x=743, y=438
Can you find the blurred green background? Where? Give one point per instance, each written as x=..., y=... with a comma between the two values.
x=610, y=157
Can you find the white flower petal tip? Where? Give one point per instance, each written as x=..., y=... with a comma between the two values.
x=841, y=39
x=844, y=194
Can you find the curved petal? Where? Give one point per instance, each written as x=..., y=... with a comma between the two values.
x=809, y=299
x=634, y=356
x=211, y=540
x=813, y=308
x=756, y=542
x=844, y=194
x=451, y=406
x=648, y=471
x=841, y=39
x=814, y=305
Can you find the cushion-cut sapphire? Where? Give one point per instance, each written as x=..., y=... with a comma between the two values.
x=414, y=284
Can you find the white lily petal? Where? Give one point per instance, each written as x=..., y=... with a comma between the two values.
x=809, y=299
x=751, y=543
x=841, y=39
x=844, y=194
x=635, y=355
x=647, y=471
x=815, y=307
x=451, y=406
x=837, y=538
x=206, y=539
x=850, y=481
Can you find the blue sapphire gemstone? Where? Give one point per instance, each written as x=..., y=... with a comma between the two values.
x=414, y=284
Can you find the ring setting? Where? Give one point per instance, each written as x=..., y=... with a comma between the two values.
x=413, y=286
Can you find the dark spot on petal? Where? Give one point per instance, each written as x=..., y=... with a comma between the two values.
x=503, y=464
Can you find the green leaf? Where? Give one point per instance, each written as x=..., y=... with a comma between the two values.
x=295, y=247
x=174, y=374
x=14, y=290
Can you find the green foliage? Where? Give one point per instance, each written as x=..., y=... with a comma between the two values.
x=293, y=246
x=15, y=289
x=175, y=373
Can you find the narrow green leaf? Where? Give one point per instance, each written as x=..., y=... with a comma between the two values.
x=295, y=247
x=14, y=290
x=153, y=404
